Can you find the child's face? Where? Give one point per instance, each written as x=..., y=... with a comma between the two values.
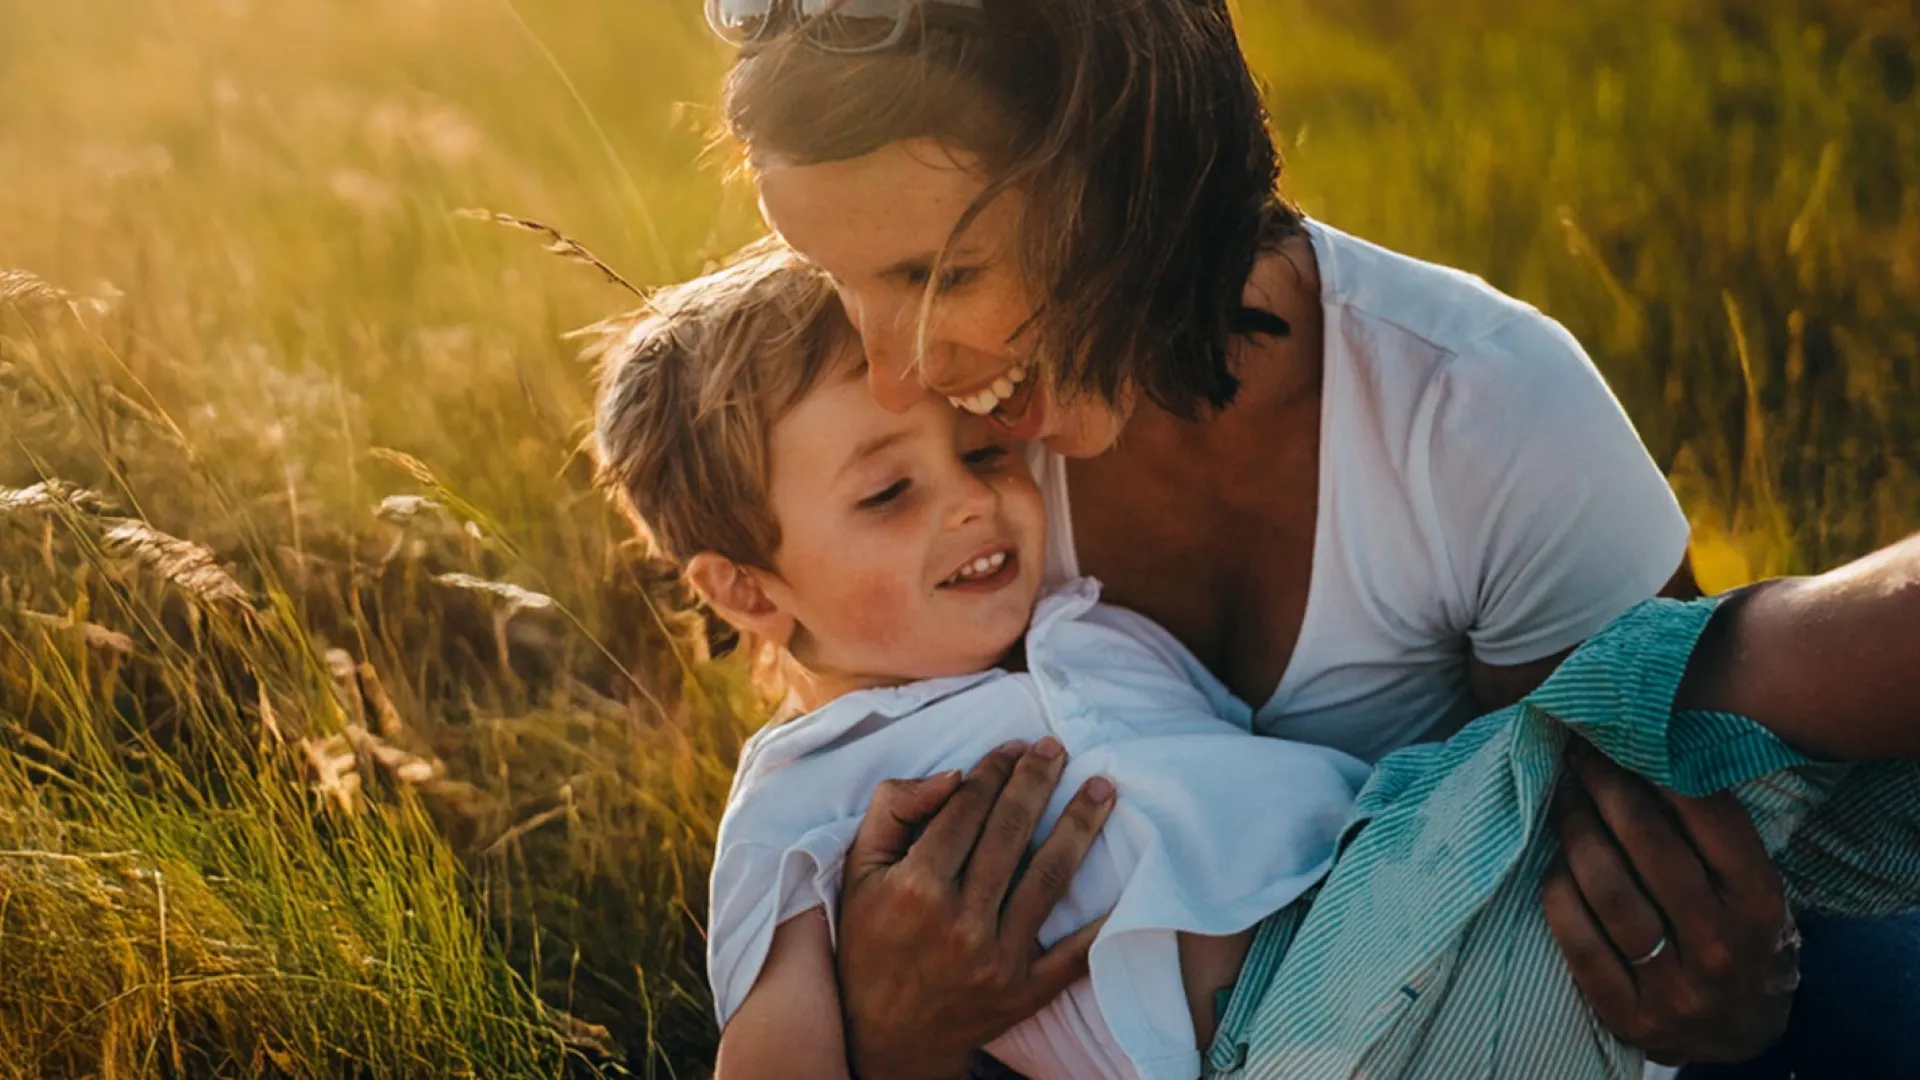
x=911, y=543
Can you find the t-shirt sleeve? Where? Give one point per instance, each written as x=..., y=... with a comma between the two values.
x=755, y=888
x=1553, y=517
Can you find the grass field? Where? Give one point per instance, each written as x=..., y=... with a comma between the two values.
x=342, y=731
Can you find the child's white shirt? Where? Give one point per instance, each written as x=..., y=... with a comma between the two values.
x=1214, y=829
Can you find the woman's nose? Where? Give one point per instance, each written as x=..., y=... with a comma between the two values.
x=889, y=347
x=893, y=384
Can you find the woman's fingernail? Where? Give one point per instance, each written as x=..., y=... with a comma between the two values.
x=1100, y=789
x=1048, y=748
x=1011, y=748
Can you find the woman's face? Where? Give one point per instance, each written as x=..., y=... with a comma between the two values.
x=878, y=224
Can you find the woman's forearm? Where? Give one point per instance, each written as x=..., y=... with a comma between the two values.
x=1830, y=663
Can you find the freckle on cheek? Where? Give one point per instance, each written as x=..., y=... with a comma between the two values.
x=875, y=615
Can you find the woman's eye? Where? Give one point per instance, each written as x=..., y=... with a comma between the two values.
x=952, y=278
x=884, y=496
x=958, y=277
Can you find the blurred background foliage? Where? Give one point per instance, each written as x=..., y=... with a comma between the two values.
x=344, y=732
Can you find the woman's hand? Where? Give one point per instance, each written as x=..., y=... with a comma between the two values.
x=1670, y=915
x=938, y=937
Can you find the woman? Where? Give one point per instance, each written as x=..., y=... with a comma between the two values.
x=1372, y=493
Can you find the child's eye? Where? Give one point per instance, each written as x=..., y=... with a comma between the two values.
x=986, y=455
x=884, y=496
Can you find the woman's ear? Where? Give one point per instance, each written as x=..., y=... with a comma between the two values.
x=737, y=595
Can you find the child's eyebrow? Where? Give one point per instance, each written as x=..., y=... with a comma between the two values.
x=869, y=448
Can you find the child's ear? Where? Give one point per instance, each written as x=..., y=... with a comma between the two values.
x=737, y=594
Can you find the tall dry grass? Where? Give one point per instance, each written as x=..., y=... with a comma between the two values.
x=342, y=730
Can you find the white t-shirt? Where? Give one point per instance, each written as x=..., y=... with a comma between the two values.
x=1212, y=831
x=1480, y=487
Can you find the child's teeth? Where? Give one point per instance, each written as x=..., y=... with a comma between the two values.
x=1017, y=375
x=1003, y=388
x=980, y=567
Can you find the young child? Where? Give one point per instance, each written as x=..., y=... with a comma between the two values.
x=893, y=561
x=896, y=560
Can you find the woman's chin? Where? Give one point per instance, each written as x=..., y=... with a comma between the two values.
x=1084, y=433
x=1082, y=429
x=1077, y=444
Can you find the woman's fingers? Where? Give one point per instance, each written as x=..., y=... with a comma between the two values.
x=1719, y=828
x=1061, y=966
x=943, y=849
x=1703, y=995
x=1591, y=958
x=1608, y=887
x=1002, y=845
x=1655, y=847
x=1052, y=867
x=894, y=817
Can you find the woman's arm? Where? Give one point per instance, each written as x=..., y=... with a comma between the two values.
x=1829, y=663
x=1556, y=520
x=1693, y=869
x=1495, y=688
x=939, y=950
x=789, y=1024
x=1826, y=663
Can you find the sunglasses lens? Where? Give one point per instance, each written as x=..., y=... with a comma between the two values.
x=854, y=25
x=739, y=21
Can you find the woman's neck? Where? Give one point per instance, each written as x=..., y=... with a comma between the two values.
x=1280, y=377
x=1207, y=526
x=1281, y=372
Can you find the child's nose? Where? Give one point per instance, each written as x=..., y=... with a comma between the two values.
x=977, y=498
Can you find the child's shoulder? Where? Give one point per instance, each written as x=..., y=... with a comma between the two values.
x=824, y=765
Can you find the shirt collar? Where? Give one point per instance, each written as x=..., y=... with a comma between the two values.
x=804, y=734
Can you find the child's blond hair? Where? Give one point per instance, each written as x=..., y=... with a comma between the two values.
x=688, y=397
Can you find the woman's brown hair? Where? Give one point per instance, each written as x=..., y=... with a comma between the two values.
x=1138, y=136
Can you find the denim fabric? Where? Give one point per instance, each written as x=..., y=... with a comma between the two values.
x=1857, y=1013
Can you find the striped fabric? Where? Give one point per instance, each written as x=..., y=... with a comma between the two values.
x=1425, y=953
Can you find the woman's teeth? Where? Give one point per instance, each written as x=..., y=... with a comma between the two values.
x=983, y=566
x=988, y=399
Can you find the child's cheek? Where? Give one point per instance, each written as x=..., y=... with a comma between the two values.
x=877, y=611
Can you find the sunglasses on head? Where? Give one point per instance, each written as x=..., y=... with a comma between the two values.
x=846, y=26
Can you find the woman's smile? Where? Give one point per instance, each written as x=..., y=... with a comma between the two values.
x=984, y=400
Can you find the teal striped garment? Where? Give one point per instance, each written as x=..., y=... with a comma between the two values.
x=1425, y=952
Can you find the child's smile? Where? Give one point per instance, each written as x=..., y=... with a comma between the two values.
x=910, y=543
x=986, y=573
